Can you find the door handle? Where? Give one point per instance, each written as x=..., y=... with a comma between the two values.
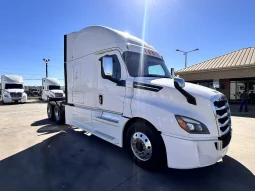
x=100, y=99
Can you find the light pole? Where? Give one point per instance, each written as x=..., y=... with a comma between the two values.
x=185, y=54
x=46, y=63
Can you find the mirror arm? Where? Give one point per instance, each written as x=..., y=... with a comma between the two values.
x=121, y=83
x=101, y=59
x=189, y=97
x=118, y=82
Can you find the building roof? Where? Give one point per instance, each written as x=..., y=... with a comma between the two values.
x=241, y=58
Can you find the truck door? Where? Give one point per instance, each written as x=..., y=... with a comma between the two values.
x=44, y=92
x=111, y=76
x=84, y=90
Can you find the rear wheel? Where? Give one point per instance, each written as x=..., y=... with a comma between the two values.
x=145, y=145
x=50, y=110
x=59, y=115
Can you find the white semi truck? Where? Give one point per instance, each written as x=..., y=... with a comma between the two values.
x=51, y=89
x=118, y=88
x=12, y=89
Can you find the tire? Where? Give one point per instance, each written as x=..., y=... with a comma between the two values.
x=141, y=135
x=50, y=111
x=59, y=115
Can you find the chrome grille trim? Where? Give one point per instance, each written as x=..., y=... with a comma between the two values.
x=218, y=109
x=221, y=108
x=223, y=116
x=224, y=124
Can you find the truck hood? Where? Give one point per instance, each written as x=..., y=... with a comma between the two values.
x=14, y=90
x=166, y=102
x=193, y=89
x=57, y=91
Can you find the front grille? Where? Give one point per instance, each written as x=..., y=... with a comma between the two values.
x=226, y=139
x=58, y=95
x=222, y=112
x=15, y=95
x=220, y=103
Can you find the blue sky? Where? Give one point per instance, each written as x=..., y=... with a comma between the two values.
x=32, y=30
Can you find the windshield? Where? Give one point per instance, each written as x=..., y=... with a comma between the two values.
x=54, y=87
x=151, y=66
x=13, y=86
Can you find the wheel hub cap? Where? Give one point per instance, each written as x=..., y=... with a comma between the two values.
x=141, y=146
x=49, y=111
x=56, y=114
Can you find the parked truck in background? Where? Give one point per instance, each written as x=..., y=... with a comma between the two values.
x=118, y=88
x=12, y=89
x=51, y=89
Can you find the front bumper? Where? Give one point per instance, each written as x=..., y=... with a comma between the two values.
x=187, y=154
x=56, y=98
x=11, y=100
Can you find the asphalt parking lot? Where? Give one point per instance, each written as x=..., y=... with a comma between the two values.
x=36, y=154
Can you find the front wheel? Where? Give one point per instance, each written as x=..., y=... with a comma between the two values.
x=145, y=145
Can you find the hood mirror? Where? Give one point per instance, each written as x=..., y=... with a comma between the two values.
x=180, y=82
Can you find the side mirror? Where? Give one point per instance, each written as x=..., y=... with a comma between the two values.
x=216, y=85
x=107, y=66
x=172, y=72
x=180, y=82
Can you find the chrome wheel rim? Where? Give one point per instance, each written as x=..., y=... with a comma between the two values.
x=141, y=146
x=49, y=111
x=57, y=114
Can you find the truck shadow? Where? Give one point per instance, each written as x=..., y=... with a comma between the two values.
x=71, y=160
x=43, y=122
x=48, y=127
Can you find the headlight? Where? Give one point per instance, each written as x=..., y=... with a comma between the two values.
x=6, y=94
x=64, y=95
x=52, y=94
x=191, y=125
